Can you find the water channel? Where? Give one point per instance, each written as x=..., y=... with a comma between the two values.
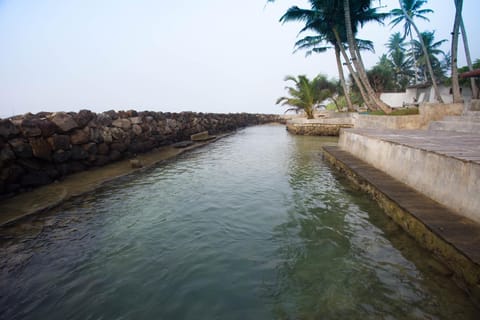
x=253, y=226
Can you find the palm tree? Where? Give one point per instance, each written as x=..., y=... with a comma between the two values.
x=410, y=9
x=316, y=44
x=402, y=66
x=473, y=83
x=457, y=97
x=326, y=17
x=382, y=75
x=433, y=51
x=413, y=9
x=316, y=20
x=359, y=8
x=307, y=94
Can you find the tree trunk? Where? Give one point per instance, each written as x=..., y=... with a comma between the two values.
x=342, y=79
x=457, y=96
x=424, y=49
x=357, y=62
x=415, y=62
x=473, y=84
x=351, y=70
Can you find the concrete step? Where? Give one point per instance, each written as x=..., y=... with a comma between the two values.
x=474, y=105
x=471, y=113
x=459, y=126
x=444, y=165
x=466, y=118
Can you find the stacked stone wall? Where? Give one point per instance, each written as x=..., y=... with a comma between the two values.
x=38, y=149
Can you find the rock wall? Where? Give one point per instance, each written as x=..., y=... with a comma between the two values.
x=39, y=149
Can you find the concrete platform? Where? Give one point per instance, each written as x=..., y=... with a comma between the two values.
x=468, y=122
x=453, y=238
x=443, y=165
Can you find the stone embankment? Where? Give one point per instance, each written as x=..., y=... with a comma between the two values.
x=38, y=149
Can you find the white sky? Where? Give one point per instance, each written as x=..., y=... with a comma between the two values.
x=208, y=56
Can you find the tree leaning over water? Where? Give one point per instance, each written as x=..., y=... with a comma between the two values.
x=355, y=56
x=331, y=16
x=307, y=94
x=457, y=97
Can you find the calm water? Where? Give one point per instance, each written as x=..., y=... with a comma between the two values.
x=254, y=226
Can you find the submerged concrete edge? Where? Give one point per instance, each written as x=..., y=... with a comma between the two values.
x=466, y=270
x=99, y=184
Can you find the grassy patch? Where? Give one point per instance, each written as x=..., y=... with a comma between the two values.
x=396, y=112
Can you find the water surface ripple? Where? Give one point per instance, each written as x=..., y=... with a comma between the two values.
x=254, y=226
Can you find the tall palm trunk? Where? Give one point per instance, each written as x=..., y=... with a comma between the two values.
x=457, y=96
x=357, y=62
x=359, y=84
x=342, y=78
x=473, y=84
x=425, y=53
x=415, y=62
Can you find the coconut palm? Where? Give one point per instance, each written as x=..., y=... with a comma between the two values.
x=326, y=18
x=401, y=64
x=473, y=83
x=382, y=75
x=434, y=54
x=307, y=94
x=457, y=97
x=360, y=8
x=413, y=8
x=409, y=10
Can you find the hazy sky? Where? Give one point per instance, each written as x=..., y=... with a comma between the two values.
x=209, y=56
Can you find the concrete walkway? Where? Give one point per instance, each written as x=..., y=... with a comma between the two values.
x=460, y=145
x=443, y=165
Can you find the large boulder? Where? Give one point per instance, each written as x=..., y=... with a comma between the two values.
x=102, y=120
x=41, y=148
x=7, y=129
x=21, y=148
x=61, y=156
x=103, y=149
x=78, y=153
x=6, y=154
x=136, y=129
x=47, y=127
x=60, y=142
x=136, y=120
x=83, y=117
x=106, y=135
x=30, y=128
x=124, y=124
x=63, y=121
x=80, y=136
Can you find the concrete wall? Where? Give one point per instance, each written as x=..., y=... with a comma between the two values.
x=321, y=127
x=452, y=182
x=427, y=113
x=39, y=149
x=394, y=99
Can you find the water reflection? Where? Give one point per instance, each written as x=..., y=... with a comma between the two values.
x=255, y=226
x=340, y=257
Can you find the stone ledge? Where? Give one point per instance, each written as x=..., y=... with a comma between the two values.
x=455, y=240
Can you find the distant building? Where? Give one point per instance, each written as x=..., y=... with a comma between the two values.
x=422, y=93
